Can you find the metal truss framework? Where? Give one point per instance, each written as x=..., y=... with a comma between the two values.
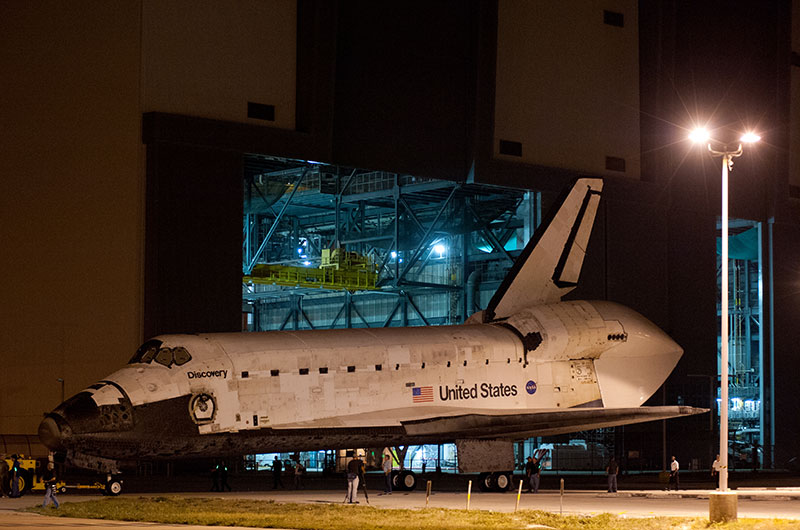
x=294, y=209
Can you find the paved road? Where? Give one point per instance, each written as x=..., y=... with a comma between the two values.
x=752, y=504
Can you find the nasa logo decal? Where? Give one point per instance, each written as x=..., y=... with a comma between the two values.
x=530, y=387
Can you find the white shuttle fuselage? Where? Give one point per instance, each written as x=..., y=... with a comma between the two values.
x=530, y=364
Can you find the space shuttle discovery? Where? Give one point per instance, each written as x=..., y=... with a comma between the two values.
x=528, y=365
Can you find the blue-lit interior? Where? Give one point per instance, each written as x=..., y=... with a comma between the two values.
x=745, y=407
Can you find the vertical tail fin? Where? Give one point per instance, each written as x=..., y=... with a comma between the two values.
x=550, y=264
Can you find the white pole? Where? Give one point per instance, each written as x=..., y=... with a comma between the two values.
x=723, y=409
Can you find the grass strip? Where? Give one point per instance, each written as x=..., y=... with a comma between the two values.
x=269, y=514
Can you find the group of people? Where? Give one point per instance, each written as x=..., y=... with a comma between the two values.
x=355, y=476
x=13, y=474
x=10, y=474
x=533, y=471
x=219, y=477
x=277, y=470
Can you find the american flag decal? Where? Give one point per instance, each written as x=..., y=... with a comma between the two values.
x=422, y=394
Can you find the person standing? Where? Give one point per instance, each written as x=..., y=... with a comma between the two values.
x=674, y=471
x=387, y=474
x=528, y=474
x=715, y=467
x=535, y=475
x=223, y=476
x=14, y=472
x=612, y=470
x=354, y=471
x=277, y=469
x=299, y=471
x=215, y=478
x=49, y=479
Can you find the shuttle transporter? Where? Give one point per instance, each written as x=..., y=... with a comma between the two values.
x=528, y=365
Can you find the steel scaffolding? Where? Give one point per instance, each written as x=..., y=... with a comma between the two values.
x=438, y=248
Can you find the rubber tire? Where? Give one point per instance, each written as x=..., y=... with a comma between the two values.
x=486, y=482
x=113, y=487
x=502, y=481
x=62, y=489
x=396, y=479
x=407, y=480
x=25, y=482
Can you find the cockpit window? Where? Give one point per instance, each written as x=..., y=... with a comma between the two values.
x=180, y=355
x=164, y=357
x=152, y=350
x=146, y=352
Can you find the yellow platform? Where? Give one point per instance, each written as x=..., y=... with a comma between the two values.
x=339, y=270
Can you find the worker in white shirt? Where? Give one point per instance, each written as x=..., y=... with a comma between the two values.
x=674, y=470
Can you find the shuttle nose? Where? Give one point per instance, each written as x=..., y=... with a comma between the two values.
x=50, y=433
x=78, y=414
x=81, y=414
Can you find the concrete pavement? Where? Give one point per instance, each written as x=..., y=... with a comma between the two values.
x=759, y=503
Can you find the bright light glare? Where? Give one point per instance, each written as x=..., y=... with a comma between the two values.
x=749, y=138
x=439, y=249
x=306, y=263
x=699, y=135
x=394, y=254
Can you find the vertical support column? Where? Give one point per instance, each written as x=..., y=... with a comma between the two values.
x=465, y=274
x=248, y=229
x=404, y=308
x=296, y=299
x=766, y=379
x=337, y=211
x=362, y=248
x=257, y=316
x=294, y=240
x=396, y=196
x=348, y=302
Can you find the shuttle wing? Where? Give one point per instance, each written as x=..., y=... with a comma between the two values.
x=516, y=426
x=550, y=264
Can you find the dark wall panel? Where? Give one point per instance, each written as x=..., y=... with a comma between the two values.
x=193, y=240
x=692, y=292
x=405, y=75
x=636, y=261
x=786, y=292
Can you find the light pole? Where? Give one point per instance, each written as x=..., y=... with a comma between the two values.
x=702, y=136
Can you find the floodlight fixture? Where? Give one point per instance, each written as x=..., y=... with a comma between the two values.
x=699, y=135
x=749, y=138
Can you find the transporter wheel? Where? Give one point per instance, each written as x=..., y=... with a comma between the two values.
x=502, y=481
x=395, y=479
x=62, y=489
x=113, y=487
x=486, y=481
x=407, y=480
x=25, y=482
